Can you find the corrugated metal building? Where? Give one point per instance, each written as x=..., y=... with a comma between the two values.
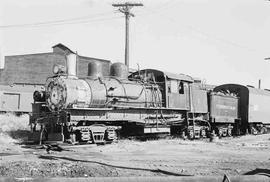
x=35, y=68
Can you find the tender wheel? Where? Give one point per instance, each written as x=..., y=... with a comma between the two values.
x=184, y=135
x=229, y=132
x=191, y=134
x=110, y=135
x=264, y=130
x=254, y=131
x=203, y=133
x=220, y=132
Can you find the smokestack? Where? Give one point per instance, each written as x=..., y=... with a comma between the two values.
x=71, y=63
x=259, y=85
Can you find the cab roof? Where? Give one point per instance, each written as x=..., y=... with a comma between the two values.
x=168, y=75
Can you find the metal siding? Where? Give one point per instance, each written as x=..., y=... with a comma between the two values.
x=243, y=93
x=259, y=107
x=223, y=108
x=26, y=101
x=178, y=101
x=181, y=101
x=18, y=98
x=10, y=101
x=199, y=101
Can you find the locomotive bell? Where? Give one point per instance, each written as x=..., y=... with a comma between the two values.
x=58, y=69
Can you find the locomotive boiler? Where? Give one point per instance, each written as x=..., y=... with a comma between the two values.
x=95, y=91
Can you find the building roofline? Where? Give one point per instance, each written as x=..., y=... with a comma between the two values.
x=16, y=55
x=85, y=57
x=63, y=47
x=52, y=53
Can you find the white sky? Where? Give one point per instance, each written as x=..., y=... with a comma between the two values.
x=222, y=41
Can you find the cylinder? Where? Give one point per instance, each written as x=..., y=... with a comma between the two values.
x=119, y=70
x=95, y=69
x=71, y=64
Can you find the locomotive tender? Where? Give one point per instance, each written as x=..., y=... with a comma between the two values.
x=223, y=113
x=253, y=107
x=99, y=108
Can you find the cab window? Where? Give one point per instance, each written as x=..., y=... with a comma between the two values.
x=174, y=86
x=181, y=88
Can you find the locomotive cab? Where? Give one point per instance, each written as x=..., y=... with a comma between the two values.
x=180, y=95
x=174, y=87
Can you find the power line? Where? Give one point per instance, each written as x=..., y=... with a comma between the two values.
x=207, y=35
x=158, y=9
x=77, y=20
x=166, y=5
x=125, y=8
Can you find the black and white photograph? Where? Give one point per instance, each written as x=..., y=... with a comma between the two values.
x=135, y=90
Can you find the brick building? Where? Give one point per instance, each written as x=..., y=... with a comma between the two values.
x=35, y=68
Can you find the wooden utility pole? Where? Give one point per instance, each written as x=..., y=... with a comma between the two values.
x=125, y=8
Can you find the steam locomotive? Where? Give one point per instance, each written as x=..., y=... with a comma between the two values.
x=97, y=109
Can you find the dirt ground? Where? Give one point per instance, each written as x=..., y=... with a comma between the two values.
x=127, y=158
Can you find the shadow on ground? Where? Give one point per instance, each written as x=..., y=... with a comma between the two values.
x=114, y=166
x=20, y=135
x=258, y=171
